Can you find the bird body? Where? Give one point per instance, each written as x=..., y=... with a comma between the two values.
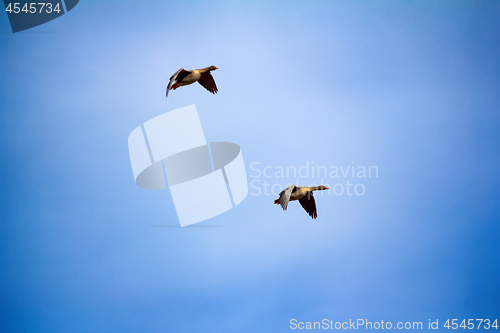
x=189, y=77
x=299, y=192
x=302, y=193
x=185, y=77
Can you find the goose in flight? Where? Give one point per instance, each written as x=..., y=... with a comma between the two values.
x=183, y=77
x=303, y=194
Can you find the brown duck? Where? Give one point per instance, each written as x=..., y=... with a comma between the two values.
x=303, y=194
x=183, y=77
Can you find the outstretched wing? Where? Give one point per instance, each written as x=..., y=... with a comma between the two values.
x=208, y=82
x=307, y=202
x=285, y=196
x=179, y=73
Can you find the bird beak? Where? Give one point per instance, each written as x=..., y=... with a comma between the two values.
x=216, y=67
x=327, y=188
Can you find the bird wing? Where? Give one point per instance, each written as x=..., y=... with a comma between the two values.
x=179, y=73
x=208, y=82
x=285, y=196
x=307, y=202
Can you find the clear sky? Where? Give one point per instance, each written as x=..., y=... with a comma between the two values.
x=410, y=87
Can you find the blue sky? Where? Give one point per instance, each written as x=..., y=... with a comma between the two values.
x=410, y=87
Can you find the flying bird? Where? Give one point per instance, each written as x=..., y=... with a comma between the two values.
x=303, y=194
x=183, y=77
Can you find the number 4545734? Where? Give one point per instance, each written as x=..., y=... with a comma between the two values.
x=470, y=324
x=33, y=8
